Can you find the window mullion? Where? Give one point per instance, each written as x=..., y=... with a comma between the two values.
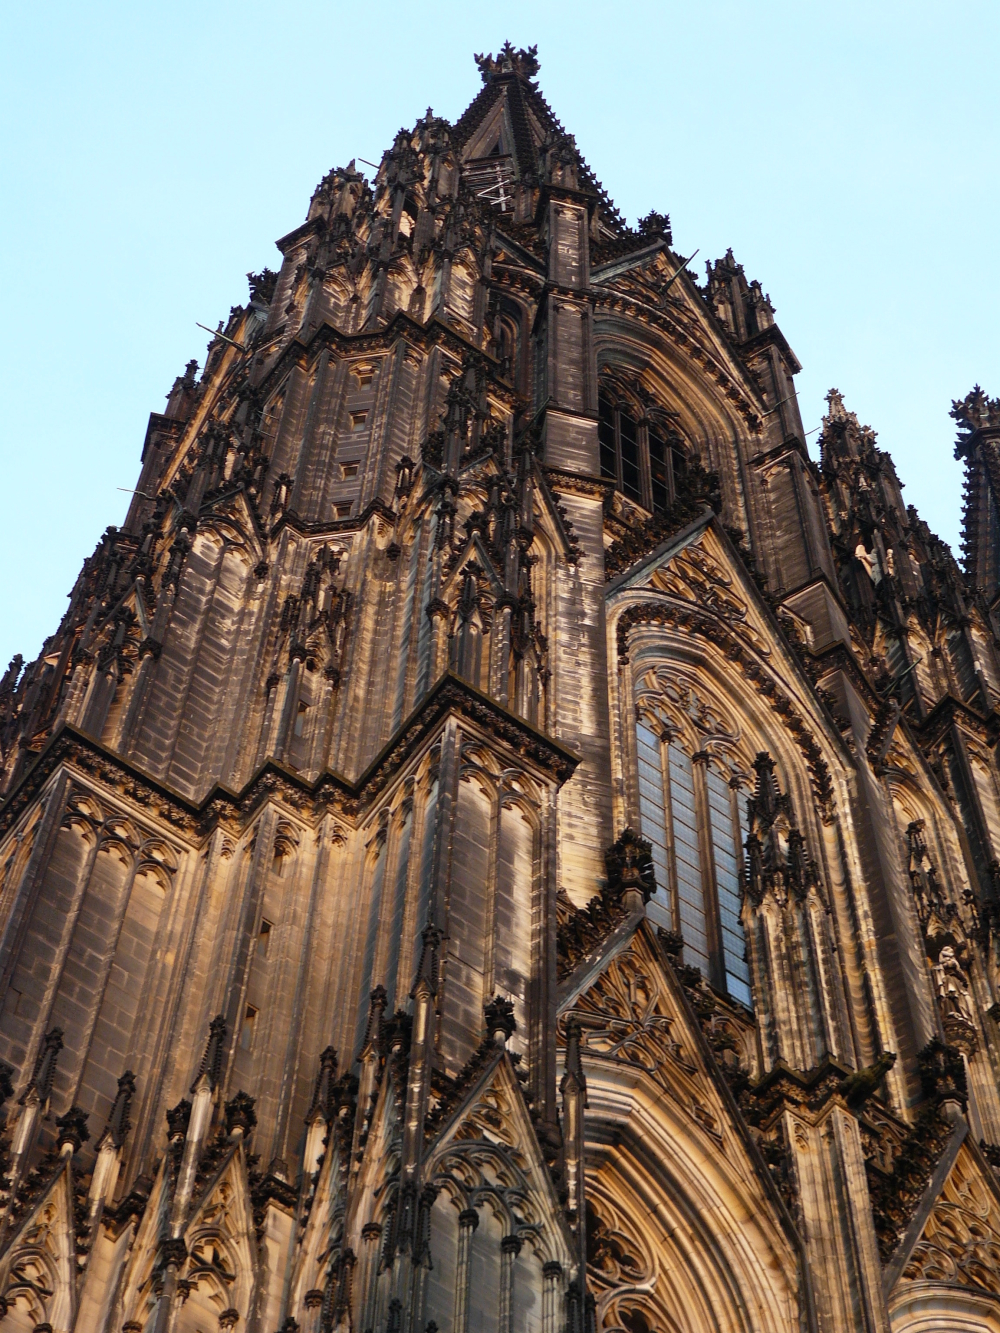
x=618, y=448
x=645, y=471
x=668, y=820
x=710, y=893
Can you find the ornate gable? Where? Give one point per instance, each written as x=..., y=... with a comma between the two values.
x=220, y=1237
x=633, y=1015
x=653, y=1096
x=215, y=1258
x=488, y=1154
x=697, y=590
x=959, y=1245
x=38, y=1272
x=699, y=569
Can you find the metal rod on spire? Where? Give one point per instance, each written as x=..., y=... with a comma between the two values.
x=219, y=334
x=679, y=271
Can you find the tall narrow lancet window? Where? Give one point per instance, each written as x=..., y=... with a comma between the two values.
x=637, y=454
x=727, y=837
x=618, y=437
x=689, y=813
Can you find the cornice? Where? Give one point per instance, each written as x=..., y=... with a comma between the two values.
x=531, y=262
x=330, y=792
x=426, y=336
x=622, y=263
x=577, y=483
x=452, y=695
x=296, y=234
x=290, y=519
x=171, y=427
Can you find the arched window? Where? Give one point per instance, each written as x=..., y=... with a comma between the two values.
x=692, y=815
x=637, y=455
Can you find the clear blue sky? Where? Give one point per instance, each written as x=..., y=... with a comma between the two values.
x=152, y=153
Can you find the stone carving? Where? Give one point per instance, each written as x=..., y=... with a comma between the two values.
x=623, y=1018
x=694, y=575
x=623, y=1270
x=672, y=701
x=960, y=1243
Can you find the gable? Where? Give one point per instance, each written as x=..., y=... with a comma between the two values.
x=691, y=602
x=959, y=1244
x=488, y=1151
x=633, y=1015
x=665, y=1144
x=697, y=567
x=38, y=1272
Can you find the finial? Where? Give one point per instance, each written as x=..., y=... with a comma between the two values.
x=240, y=1114
x=629, y=863
x=376, y=1008
x=73, y=1132
x=118, y=1124
x=766, y=797
x=427, y=969
x=211, y=1062
x=177, y=1119
x=322, y=1100
x=509, y=61
x=500, y=1021
x=45, y=1066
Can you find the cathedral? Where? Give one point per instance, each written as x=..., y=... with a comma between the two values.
x=502, y=840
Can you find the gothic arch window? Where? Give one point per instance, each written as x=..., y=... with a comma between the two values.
x=638, y=451
x=691, y=813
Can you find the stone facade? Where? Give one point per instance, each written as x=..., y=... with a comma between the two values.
x=502, y=840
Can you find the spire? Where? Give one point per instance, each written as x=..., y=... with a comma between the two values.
x=211, y=1061
x=45, y=1066
x=978, y=445
x=573, y=1088
x=767, y=801
x=509, y=63
x=118, y=1123
x=322, y=1100
x=530, y=130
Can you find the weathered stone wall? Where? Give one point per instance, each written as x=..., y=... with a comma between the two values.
x=331, y=998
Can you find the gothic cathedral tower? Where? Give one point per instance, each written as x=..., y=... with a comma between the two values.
x=502, y=840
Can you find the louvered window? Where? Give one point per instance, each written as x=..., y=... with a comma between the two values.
x=637, y=456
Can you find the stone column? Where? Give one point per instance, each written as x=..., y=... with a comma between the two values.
x=468, y=1220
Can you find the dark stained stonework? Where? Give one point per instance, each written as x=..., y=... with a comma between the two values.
x=501, y=838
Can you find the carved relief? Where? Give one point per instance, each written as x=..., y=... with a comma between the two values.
x=961, y=1242
x=694, y=575
x=624, y=1017
x=623, y=1269
x=628, y=1016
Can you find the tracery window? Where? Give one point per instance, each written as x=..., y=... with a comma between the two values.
x=638, y=453
x=692, y=815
